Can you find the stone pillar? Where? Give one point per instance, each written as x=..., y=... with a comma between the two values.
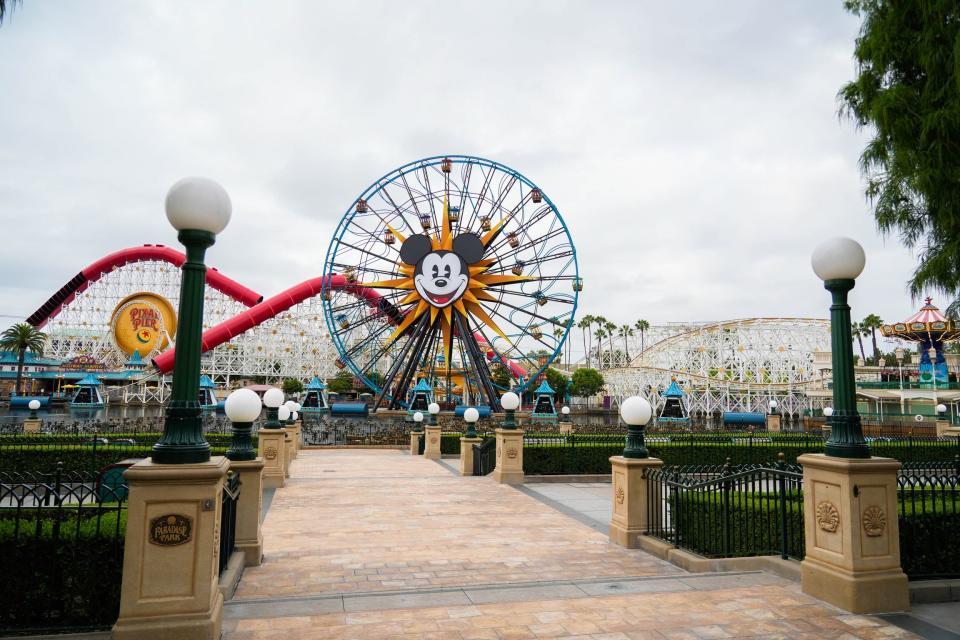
x=773, y=422
x=271, y=447
x=287, y=450
x=432, y=449
x=629, y=499
x=32, y=426
x=509, y=468
x=415, y=442
x=297, y=427
x=943, y=426
x=171, y=553
x=249, y=538
x=852, y=536
x=466, y=455
x=566, y=427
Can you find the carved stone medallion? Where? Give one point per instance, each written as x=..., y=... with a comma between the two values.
x=828, y=517
x=874, y=521
x=620, y=495
x=270, y=453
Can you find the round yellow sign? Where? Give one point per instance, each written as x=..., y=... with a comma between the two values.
x=144, y=322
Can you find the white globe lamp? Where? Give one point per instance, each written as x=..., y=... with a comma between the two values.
x=636, y=412
x=510, y=403
x=198, y=204
x=242, y=407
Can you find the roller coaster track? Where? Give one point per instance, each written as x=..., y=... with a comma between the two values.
x=259, y=311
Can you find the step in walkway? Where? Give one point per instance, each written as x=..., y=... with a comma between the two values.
x=380, y=544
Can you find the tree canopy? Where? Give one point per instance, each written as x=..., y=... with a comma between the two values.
x=907, y=93
x=586, y=382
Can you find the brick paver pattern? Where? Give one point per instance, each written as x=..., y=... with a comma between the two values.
x=371, y=521
x=352, y=521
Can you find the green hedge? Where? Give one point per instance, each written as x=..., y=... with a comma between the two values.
x=700, y=521
x=31, y=458
x=929, y=521
x=593, y=458
x=72, y=580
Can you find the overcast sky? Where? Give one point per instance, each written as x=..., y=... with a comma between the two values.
x=693, y=148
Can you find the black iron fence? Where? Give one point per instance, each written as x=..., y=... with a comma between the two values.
x=728, y=511
x=485, y=457
x=336, y=431
x=929, y=518
x=62, y=538
x=228, y=517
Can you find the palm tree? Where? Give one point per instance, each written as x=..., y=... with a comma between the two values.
x=6, y=6
x=871, y=323
x=642, y=326
x=611, y=330
x=585, y=324
x=625, y=332
x=600, y=334
x=558, y=334
x=22, y=337
x=856, y=328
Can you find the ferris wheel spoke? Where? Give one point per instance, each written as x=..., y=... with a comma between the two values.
x=531, y=263
x=385, y=195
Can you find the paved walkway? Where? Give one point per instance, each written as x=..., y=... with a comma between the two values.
x=379, y=544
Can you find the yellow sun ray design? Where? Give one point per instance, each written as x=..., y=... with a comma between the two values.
x=469, y=305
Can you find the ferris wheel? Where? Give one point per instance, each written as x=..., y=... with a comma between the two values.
x=444, y=268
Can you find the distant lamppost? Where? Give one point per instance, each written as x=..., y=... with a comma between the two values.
x=242, y=407
x=434, y=409
x=470, y=416
x=418, y=421
x=773, y=406
x=941, y=411
x=199, y=209
x=291, y=406
x=283, y=414
x=510, y=403
x=828, y=411
x=636, y=412
x=899, y=353
x=272, y=400
x=565, y=412
x=838, y=262
x=33, y=405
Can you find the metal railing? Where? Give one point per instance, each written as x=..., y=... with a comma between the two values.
x=228, y=517
x=485, y=457
x=62, y=536
x=728, y=511
x=928, y=518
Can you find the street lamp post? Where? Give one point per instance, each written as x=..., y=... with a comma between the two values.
x=636, y=412
x=199, y=209
x=838, y=262
x=899, y=353
x=33, y=405
x=510, y=402
x=433, y=408
x=470, y=416
x=242, y=407
x=417, y=420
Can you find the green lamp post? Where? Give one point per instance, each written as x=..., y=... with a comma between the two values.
x=636, y=412
x=33, y=405
x=838, y=262
x=510, y=403
x=199, y=209
x=433, y=409
x=470, y=416
x=242, y=407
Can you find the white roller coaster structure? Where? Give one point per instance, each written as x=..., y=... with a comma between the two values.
x=737, y=365
x=293, y=344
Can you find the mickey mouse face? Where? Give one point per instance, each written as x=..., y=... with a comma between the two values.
x=441, y=277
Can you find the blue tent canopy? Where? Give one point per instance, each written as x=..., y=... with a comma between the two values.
x=206, y=382
x=315, y=385
x=88, y=380
x=544, y=388
x=422, y=386
x=673, y=391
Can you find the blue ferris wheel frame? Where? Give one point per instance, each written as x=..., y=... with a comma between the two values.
x=379, y=185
